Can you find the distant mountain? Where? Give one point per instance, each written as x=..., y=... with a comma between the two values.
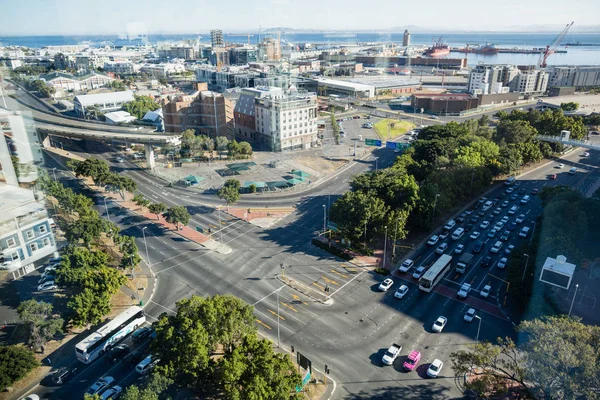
x=554, y=28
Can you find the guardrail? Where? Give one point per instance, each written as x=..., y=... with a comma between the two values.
x=572, y=142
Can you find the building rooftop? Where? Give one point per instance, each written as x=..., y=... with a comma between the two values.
x=119, y=116
x=112, y=97
x=445, y=96
x=16, y=202
x=348, y=84
x=55, y=75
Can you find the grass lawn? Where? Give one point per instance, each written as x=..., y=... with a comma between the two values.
x=394, y=127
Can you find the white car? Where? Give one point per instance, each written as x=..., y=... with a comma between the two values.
x=470, y=315
x=475, y=235
x=112, y=393
x=433, y=240
x=46, y=286
x=439, y=324
x=434, y=368
x=6, y=263
x=520, y=219
x=513, y=210
x=419, y=272
x=509, y=249
x=464, y=290
x=505, y=219
x=586, y=154
x=119, y=159
x=401, y=292
x=385, y=285
x=499, y=225
x=100, y=385
x=31, y=397
x=459, y=249
x=406, y=265
x=484, y=224
x=502, y=263
x=560, y=166
x=485, y=292
x=442, y=248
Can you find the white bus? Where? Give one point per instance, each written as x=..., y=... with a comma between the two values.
x=104, y=338
x=435, y=273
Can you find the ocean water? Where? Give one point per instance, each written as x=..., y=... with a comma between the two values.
x=574, y=56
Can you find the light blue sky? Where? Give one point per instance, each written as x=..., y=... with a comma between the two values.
x=32, y=17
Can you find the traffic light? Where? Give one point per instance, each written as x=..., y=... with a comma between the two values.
x=326, y=369
x=292, y=349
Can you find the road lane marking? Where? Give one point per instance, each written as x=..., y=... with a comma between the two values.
x=330, y=281
x=339, y=273
x=288, y=306
x=297, y=298
x=274, y=313
x=319, y=286
x=258, y=321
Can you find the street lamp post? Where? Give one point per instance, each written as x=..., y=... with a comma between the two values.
x=146, y=246
x=324, y=218
x=220, y=226
x=434, y=206
x=366, y=234
x=106, y=207
x=525, y=269
x=478, y=328
x=573, y=301
x=394, y=244
x=54, y=173
x=384, y=247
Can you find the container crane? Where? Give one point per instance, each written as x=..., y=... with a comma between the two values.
x=244, y=34
x=551, y=48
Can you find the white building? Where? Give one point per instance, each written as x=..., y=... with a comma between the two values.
x=491, y=79
x=25, y=228
x=63, y=83
x=162, y=70
x=19, y=138
x=345, y=88
x=531, y=82
x=119, y=117
x=578, y=76
x=286, y=121
x=119, y=67
x=104, y=101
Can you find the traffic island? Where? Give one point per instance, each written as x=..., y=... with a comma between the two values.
x=316, y=295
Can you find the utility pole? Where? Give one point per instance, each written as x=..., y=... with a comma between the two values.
x=324, y=218
x=573, y=301
x=146, y=246
x=384, y=247
x=478, y=328
x=366, y=234
x=525, y=269
x=106, y=207
x=394, y=245
x=434, y=205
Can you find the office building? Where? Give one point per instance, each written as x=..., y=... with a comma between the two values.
x=491, y=79
x=530, y=82
x=242, y=55
x=444, y=103
x=286, y=121
x=576, y=76
x=216, y=38
x=162, y=70
x=182, y=52
x=206, y=112
x=119, y=67
x=406, y=38
x=104, y=101
x=18, y=138
x=25, y=228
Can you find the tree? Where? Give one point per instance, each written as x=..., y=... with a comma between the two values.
x=234, y=148
x=355, y=210
x=118, y=85
x=230, y=192
x=140, y=106
x=245, y=148
x=152, y=389
x=252, y=188
x=40, y=86
x=15, y=363
x=129, y=251
x=492, y=366
x=177, y=215
x=157, y=209
x=571, y=106
x=254, y=371
x=88, y=307
x=141, y=201
x=221, y=143
x=42, y=324
x=187, y=140
x=87, y=229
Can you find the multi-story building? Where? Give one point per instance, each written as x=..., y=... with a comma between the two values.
x=103, y=101
x=119, y=67
x=25, y=228
x=245, y=120
x=575, y=76
x=530, y=82
x=204, y=111
x=18, y=138
x=242, y=55
x=491, y=79
x=182, y=52
x=63, y=82
x=406, y=38
x=162, y=70
x=286, y=121
x=308, y=65
x=216, y=38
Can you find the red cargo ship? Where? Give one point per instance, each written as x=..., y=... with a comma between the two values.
x=439, y=49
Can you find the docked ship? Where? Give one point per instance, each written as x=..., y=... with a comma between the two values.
x=439, y=49
x=486, y=49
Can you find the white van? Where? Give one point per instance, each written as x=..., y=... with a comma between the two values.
x=146, y=365
x=458, y=233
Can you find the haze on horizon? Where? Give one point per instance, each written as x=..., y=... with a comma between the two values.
x=68, y=17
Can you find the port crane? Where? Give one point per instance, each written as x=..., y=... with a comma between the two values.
x=551, y=48
x=249, y=35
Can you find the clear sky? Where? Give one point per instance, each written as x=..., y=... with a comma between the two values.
x=34, y=17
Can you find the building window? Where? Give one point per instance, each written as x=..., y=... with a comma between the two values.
x=14, y=256
x=29, y=234
x=11, y=242
x=46, y=242
x=43, y=229
x=33, y=247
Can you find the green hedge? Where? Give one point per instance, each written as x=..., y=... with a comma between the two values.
x=333, y=250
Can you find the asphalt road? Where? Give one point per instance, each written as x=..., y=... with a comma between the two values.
x=349, y=335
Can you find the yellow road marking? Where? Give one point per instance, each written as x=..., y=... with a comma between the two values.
x=288, y=306
x=339, y=273
x=297, y=298
x=263, y=324
x=211, y=225
x=223, y=222
x=330, y=281
x=274, y=313
x=319, y=286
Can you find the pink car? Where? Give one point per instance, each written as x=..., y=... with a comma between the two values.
x=412, y=360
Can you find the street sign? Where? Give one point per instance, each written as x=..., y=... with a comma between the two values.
x=373, y=142
x=304, y=382
x=396, y=145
